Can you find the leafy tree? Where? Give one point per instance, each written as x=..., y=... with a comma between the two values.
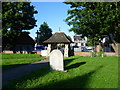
x=16, y=16
x=69, y=38
x=44, y=33
x=95, y=19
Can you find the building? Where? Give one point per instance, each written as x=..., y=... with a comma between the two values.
x=23, y=43
x=59, y=38
x=79, y=42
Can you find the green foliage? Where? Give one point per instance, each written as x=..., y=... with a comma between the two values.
x=98, y=54
x=15, y=60
x=94, y=19
x=92, y=41
x=16, y=16
x=83, y=72
x=93, y=54
x=69, y=38
x=101, y=53
x=44, y=33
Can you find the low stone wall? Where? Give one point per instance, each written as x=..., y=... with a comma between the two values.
x=110, y=54
x=7, y=51
x=38, y=52
x=89, y=53
x=24, y=52
x=82, y=53
x=75, y=53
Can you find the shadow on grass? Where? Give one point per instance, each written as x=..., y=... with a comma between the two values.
x=12, y=66
x=7, y=67
x=30, y=76
x=21, y=71
x=75, y=65
x=76, y=82
x=67, y=60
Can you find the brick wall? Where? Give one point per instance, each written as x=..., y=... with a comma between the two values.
x=82, y=53
x=75, y=53
x=7, y=51
x=24, y=52
x=39, y=52
x=110, y=54
x=89, y=53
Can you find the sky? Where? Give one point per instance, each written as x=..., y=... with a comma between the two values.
x=54, y=13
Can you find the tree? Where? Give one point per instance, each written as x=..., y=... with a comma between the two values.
x=44, y=33
x=16, y=16
x=69, y=38
x=95, y=19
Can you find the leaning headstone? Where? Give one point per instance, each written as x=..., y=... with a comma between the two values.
x=56, y=60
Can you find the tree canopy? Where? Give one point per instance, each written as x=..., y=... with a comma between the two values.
x=16, y=16
x=95, y=19
x=44, y=33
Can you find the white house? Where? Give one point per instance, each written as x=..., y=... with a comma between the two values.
x=79, y=42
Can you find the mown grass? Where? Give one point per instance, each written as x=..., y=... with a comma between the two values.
x=83, y=72
x=14, y=60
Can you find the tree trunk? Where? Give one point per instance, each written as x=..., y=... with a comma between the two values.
x=116, y=48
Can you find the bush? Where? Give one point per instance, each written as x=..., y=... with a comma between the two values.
x=93, y=54
x=101, y=53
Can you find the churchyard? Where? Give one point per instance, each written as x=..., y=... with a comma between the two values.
x=14, y=60
x=65, y=62
x=64, y=70
x=82, y=72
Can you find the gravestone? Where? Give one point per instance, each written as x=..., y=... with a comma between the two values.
x=56, y=60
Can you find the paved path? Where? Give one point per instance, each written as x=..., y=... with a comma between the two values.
x=22, y=70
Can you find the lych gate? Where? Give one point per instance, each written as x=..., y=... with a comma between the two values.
x=57, y=39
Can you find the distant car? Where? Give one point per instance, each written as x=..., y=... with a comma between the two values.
x=39, y=47
x=87, y=50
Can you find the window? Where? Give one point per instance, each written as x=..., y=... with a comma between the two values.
x=82, y=44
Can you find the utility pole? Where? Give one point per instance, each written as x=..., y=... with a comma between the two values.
x=37, y=37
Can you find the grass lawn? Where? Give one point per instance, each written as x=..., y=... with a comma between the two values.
x=14, y=60
x=83, y=72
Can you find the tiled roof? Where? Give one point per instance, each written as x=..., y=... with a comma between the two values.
x=58, y=37
x=77, y=37
x=24, y=38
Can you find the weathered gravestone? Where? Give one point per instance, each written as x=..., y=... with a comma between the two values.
x=56, y=60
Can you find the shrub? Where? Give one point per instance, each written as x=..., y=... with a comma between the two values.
x=101, y=53
x=93, y=54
